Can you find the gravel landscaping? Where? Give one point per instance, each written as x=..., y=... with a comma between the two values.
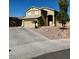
x=53, y=32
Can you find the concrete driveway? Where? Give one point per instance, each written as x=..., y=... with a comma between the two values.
x=26, y=44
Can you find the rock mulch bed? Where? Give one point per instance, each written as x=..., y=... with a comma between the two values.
x=53, y=32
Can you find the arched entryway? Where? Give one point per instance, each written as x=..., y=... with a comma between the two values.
x=50, y=19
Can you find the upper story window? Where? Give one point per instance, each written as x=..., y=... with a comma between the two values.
x=29, y=13
x=36, y=12
x=33, y=12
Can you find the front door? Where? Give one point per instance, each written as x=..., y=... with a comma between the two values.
x=50, y=20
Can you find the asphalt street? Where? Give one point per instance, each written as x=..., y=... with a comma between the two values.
x=26, y=44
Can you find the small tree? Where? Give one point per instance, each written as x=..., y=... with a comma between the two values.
x=62, y=16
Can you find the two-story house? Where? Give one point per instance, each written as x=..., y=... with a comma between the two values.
x=43, y=17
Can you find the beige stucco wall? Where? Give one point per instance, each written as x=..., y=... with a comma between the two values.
x=28, y=24
x=33, y=12
x=49, y=12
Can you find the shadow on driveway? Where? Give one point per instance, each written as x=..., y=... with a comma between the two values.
x=63, y=54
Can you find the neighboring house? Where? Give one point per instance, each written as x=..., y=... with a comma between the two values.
x=39, y=16
x=15, y=21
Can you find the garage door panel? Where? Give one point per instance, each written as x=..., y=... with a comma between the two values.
x=29, y=24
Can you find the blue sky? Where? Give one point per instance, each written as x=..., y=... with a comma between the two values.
x=19, y=7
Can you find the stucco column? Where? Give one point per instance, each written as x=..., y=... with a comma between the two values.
x=22, y=23
x=53, y=21
x=46, y=21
